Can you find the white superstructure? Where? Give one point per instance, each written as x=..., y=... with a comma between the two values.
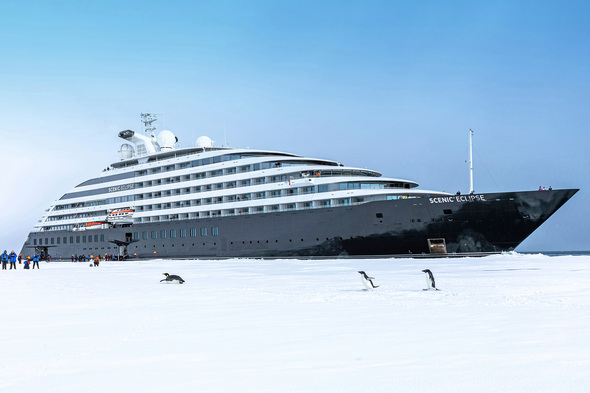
x=158, y=182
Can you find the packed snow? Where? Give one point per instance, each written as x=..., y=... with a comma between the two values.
x=505, y=323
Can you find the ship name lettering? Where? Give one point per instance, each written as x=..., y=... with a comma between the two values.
x=121, y=188
x=458, y=199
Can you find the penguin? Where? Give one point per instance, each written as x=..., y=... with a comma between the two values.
x=429, y=280
x=172, y=279
x=367, y=281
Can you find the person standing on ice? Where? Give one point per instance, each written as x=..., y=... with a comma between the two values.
x=36, y=260
x=4, y=258
x=12, y=258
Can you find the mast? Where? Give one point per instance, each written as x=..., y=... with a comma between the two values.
x=147, y=119
x=470, y=161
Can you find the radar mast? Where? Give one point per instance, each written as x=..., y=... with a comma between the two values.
x=147, y=119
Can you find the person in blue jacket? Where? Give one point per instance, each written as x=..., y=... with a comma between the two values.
x=12, y=258
x=36, y=260
x=4, y=258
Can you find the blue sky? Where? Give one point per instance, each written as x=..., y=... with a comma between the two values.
x=387, y=85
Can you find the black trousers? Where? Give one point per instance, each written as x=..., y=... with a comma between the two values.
x=4, y=265
x=12, y=264
x=36, y=263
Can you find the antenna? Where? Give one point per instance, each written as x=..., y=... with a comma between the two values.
x=470, y=161
x=147, y=119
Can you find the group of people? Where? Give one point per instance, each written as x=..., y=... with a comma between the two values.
x=12, y=258
x=106, y=257
x=541, y=188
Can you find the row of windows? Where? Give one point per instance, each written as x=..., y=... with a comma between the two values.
x=163, y=234
x=159, y=209
x=225, y=158
x=64, y=240
x=237, y=197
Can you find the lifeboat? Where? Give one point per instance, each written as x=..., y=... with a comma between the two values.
x=91, y=225
x=120, y=215
x=94, y=223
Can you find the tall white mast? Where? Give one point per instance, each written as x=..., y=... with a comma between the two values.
x=470, y=161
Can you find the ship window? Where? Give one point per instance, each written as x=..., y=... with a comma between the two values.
x=183, y=233
x=215, y=231
x=71, y=239
x=379, y=215
x=163, y=234
x=203, y=231
x=102, y=238
x=173, y=233
x=77, y=239
x=96, y=238
x=83, y=239
x=135, y=235
x=65, y=240
x=89, y=238
x=193, y=232
x=144, y=235
x=34, y=242
x=447, y=211
x=323, y=188
x=154, y=234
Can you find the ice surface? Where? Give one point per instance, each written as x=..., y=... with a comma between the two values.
x=507, y=323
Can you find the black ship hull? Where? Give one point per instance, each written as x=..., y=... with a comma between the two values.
x=480, y=223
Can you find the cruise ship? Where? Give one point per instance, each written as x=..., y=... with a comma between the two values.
x=163, y=201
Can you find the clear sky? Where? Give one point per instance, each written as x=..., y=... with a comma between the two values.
x=388, y=85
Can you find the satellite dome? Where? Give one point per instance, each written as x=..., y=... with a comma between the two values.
x=126, y=151
x=166, y=140
x=204, y=142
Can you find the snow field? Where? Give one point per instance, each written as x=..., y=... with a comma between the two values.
x=510, y=323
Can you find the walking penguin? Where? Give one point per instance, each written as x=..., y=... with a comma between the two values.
x=368, y=281
x=172, y=279
x=429, y=280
